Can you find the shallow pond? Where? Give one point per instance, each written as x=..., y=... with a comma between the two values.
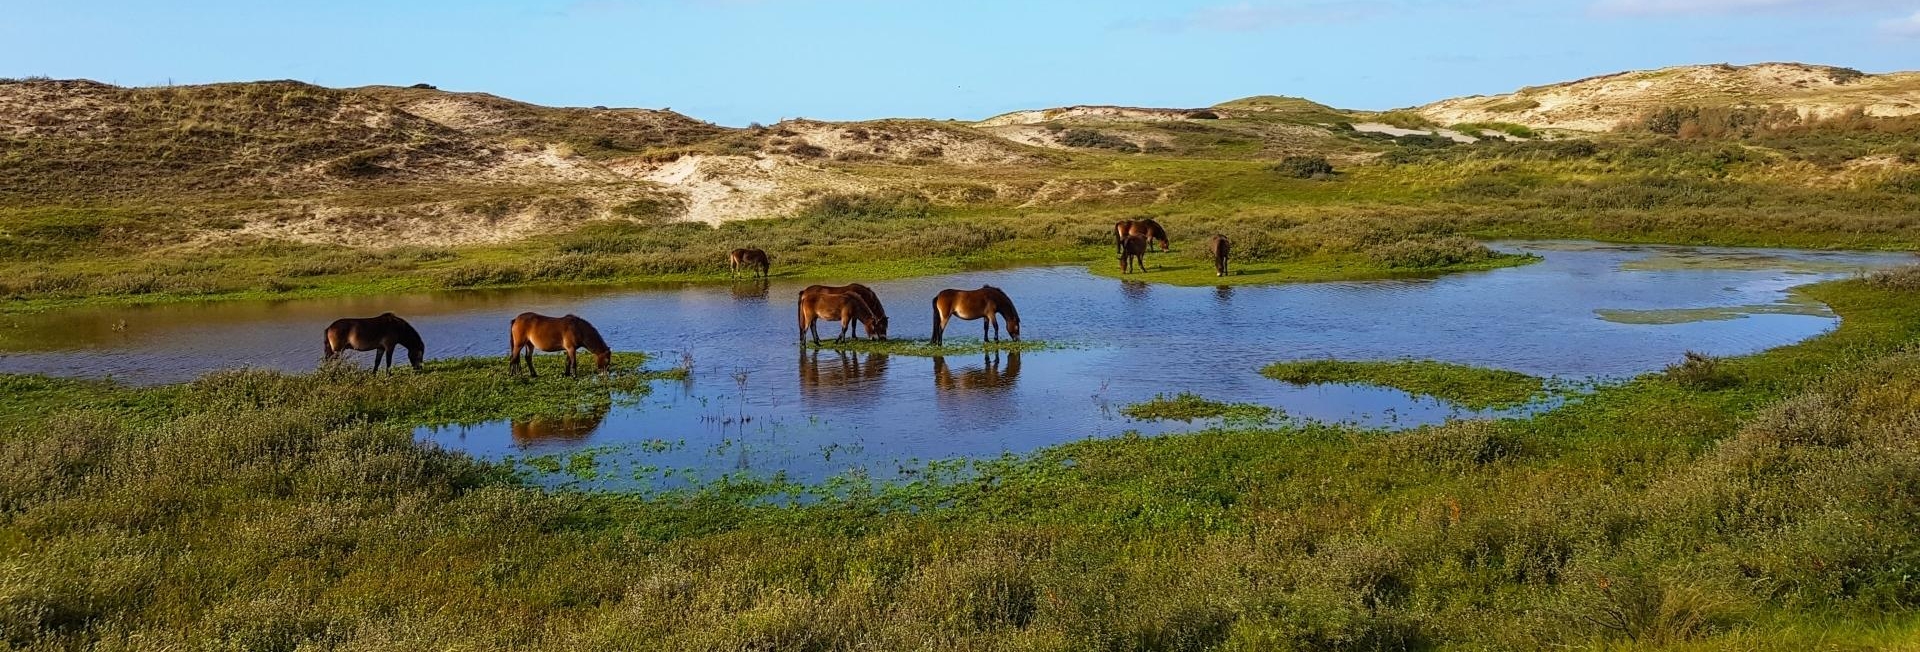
x=757, y=404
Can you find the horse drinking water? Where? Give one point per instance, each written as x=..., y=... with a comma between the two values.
x=984, y=303
x=379, y=334
x=879, y=328
x=532, y=331
x=843, y=307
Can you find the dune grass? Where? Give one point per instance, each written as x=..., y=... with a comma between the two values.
x=1474, y=388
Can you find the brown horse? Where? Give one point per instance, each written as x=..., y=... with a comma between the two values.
x=377, y=334
x=1219, y=247
x=754, y=261
x=984, y=303
x=534, y=331
x=1145, y=228
x=1133, y=249
x=879, y=330
x=843, y=307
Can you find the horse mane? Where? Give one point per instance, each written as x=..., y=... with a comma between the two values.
x=1159, y=232
x=1004, y=303
x=411, y=335
x=590, y=336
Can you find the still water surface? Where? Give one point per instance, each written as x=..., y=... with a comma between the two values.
x=757, y=405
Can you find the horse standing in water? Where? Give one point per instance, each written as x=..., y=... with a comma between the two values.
x=754, y=261
x=984, y=303
x=1146, y=228
x=878, y=330
x=378, y=334
x=843, y=307
x=1132, y=250
x=1219, y=247
x=532, y=331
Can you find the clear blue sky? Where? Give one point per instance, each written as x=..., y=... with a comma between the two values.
x=735, y=61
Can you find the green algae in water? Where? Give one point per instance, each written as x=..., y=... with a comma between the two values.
x=927, y=349
x=1794, y=305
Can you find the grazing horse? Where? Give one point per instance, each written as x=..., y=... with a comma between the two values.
x=377, y=334
x=843, y=307
x=1219, y=247
x=753, y=260
x=1146, y=228
x=879, y=329
x=1133, y=249
x=983, y=303
x=534, y=331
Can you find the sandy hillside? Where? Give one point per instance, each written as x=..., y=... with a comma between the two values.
x=1602, y=103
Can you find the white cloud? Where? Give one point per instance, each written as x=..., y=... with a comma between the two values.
x=1671, y=7
x=1908, y=27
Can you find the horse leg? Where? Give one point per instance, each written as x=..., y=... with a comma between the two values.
x=845, y=321
x=530, y=371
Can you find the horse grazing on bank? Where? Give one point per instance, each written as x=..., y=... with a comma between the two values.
x=1146, y=228
x=378, y=334
x=879, y=329
x=1219, y=247
x=843, y=307
x=532, y=331
x=984, y=303
x=754, y=261
x=1132, y=250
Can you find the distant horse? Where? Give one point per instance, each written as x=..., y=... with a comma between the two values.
x=753, y=260
x=984, y=303
x=879, y=329
x=843, y=307
x=991, y=375
x=378, y=334
x=1219, y=247
x=534, y=331
x=1146, y=228
x=1133, y=249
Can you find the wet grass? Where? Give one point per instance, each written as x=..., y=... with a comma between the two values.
x=1771, y=509
x=927, y=349
x=1188, y=407
x=1474, y=388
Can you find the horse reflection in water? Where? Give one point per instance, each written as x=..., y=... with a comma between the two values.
x=751, y=291
x=839, y=369
x=990, y=376
x=571, y=428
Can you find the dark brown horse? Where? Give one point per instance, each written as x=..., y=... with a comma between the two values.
x=534, y=331
x=1132, y=250
x=1145, y=228
x=984, y=303
x=843, y=307
x=378, y=334
x=754, y=261
x=879, y=329
x=1219, y=247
